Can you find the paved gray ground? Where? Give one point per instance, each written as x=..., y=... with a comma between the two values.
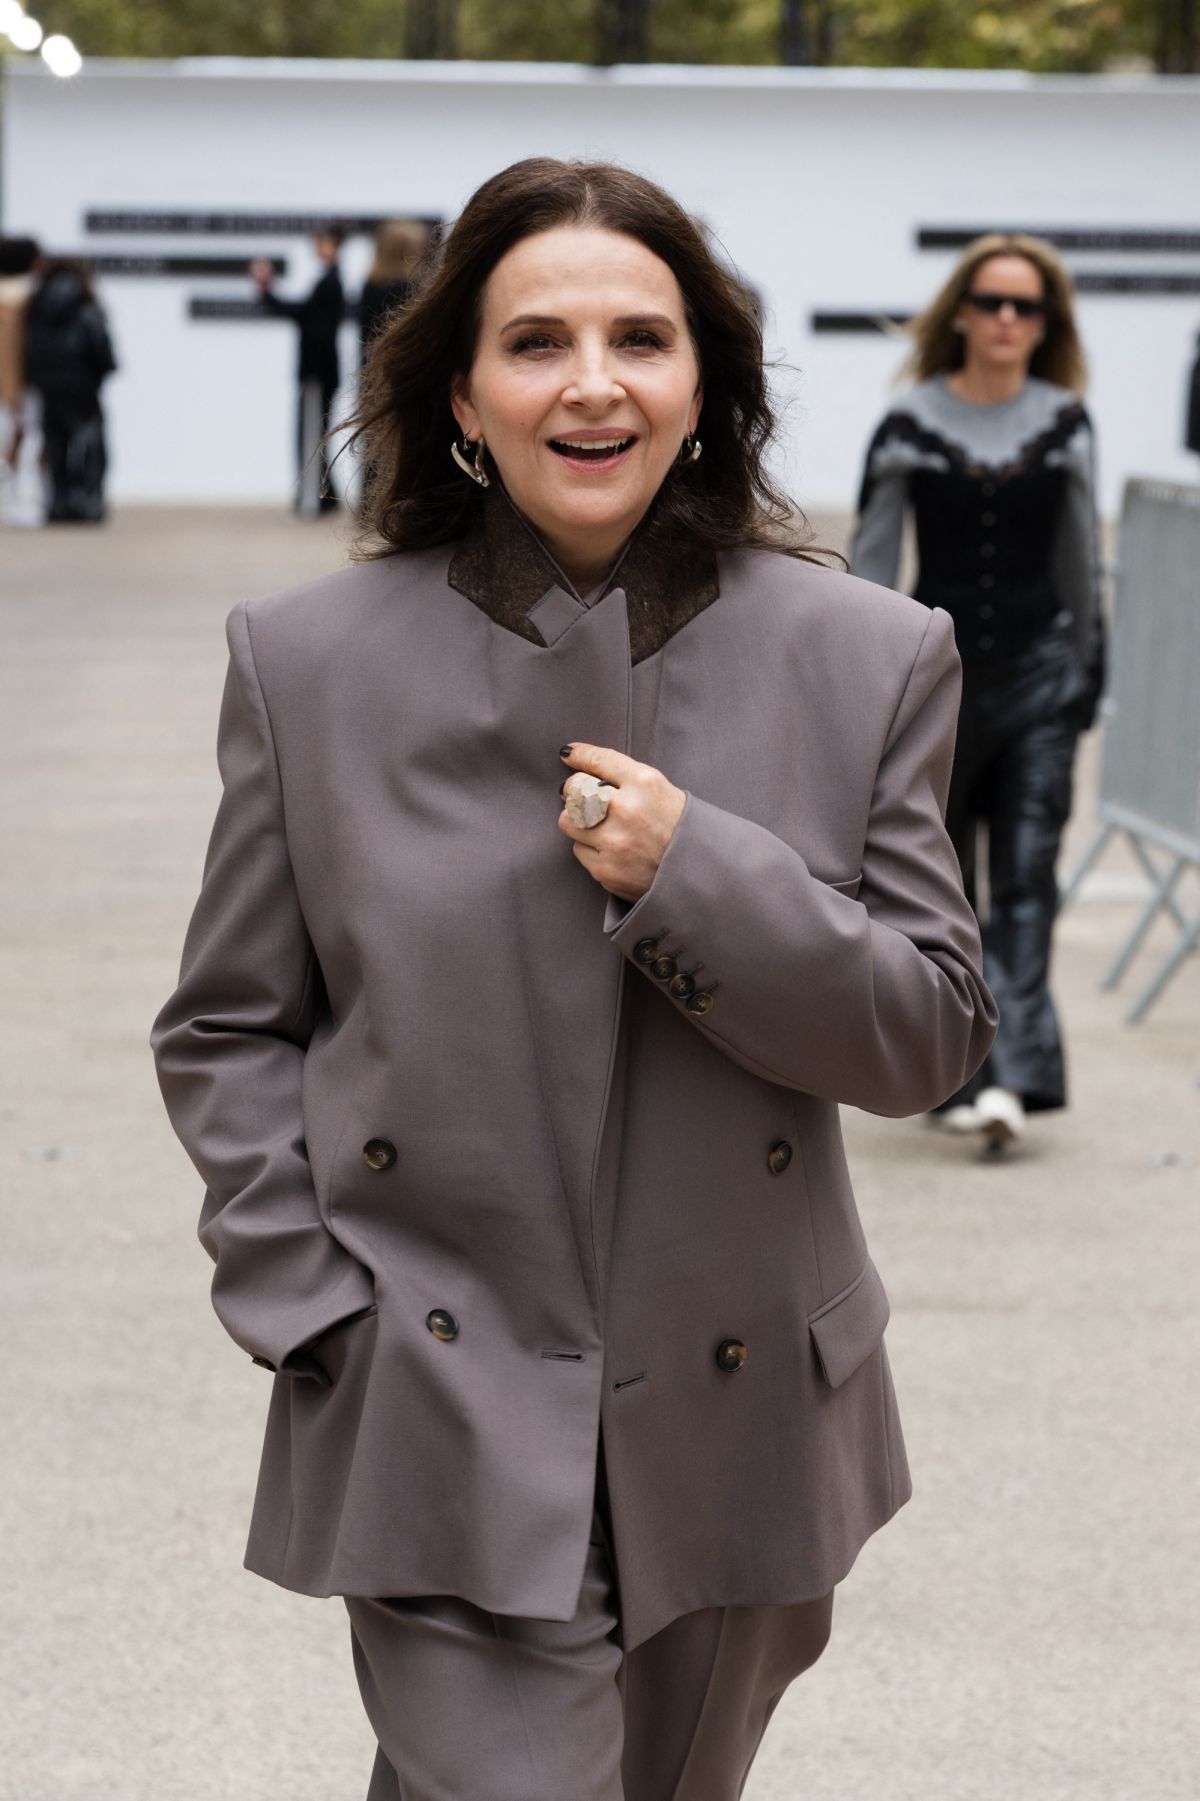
x=1025, y=1629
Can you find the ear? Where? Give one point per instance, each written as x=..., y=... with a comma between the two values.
x=694, y=413
x=464, y=412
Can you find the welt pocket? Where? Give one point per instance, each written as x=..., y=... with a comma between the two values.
x=849, y=1327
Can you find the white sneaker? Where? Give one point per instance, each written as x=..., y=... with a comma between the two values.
x=1000, y=1116
x=963, y=1118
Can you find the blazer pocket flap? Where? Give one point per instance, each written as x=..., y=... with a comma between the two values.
x=850, y=887
x=847, y=1329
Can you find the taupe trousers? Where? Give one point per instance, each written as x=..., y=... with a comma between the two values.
x=475, y=1706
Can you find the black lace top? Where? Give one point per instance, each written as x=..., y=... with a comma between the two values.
x=1002, y=501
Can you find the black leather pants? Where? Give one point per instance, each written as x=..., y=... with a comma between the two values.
x=1017, y=731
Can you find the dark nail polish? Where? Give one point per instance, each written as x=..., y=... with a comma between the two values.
x=562, y=786
x=565, y=750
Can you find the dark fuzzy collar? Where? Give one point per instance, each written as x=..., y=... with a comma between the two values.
x=505, y=570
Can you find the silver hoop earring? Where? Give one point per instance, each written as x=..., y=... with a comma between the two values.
x=475, y=470
x=689, y=450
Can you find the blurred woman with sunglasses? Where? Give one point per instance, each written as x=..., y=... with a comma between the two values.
x=991, y=454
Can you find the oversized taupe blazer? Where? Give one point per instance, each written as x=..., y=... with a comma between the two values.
x=496, y=1161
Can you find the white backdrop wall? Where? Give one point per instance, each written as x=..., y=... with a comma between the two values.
x=815, y=181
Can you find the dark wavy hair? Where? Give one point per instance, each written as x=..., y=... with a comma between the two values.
x=403, y=426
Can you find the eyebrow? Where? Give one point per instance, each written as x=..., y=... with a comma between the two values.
x=627, y=319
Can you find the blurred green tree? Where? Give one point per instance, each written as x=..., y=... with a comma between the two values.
x=1040, y=35
x=1045, y=36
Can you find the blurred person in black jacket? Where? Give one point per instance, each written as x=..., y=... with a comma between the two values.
x=318, y=316
x=68, y=356
x=400, y=245
x=991, y=456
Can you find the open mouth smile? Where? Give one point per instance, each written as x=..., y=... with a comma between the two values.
x=593, y=453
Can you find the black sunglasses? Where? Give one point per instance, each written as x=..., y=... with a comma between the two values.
x=994, y=303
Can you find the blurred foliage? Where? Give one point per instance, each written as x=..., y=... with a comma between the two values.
x=228, y=27
x=1041, y=35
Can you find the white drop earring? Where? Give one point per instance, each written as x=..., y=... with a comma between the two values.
x=475, y=470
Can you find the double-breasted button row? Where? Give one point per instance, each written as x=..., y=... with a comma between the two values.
x=664, y=967
x=379, y=1153
x=443, y=1325
x=731, y=1355
x=987, y=552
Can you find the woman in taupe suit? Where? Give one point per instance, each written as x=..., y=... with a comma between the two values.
x=520, y=1137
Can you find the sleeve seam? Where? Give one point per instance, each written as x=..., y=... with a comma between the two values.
x=310, y=963
x=890, y=735
x=258, y=687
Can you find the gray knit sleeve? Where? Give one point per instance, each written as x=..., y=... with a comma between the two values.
x=1076, y=556
x=879, y=529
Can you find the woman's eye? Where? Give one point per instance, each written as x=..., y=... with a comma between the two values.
x=643, y=340
x=535, y=340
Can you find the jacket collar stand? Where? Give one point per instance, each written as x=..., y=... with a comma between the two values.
x=503, y=567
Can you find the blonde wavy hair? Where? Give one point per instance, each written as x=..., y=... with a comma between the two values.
x=938, y=348
x=400, y=245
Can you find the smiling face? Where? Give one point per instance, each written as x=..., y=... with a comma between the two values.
x=584, y=385
x=1002, y=339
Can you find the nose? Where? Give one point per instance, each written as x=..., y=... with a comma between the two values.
x=592, y=380
x=1007, y=311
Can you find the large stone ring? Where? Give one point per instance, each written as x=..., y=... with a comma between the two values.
x=585, y=798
